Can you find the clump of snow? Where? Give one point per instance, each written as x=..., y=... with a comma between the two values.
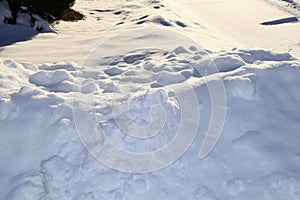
x=235, y=187
x=69, y=66
x=228, y=63
x=50, y=78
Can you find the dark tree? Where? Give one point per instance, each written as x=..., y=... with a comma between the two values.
x=50, y=10
x=15, y=6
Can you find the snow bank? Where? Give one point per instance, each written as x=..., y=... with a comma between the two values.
x=155, y=105
x=256, y=157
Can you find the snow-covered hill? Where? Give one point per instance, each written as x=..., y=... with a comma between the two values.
x=140, y=102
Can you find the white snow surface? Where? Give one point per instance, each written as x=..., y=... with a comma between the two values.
x=42, y=156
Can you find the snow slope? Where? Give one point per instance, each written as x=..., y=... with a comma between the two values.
x=103, y=20
x=240, y=19
x=145, y=87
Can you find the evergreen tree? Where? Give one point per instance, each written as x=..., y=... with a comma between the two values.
x=50, y=10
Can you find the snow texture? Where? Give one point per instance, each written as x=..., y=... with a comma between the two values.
x=253, y=148
x=257, y=155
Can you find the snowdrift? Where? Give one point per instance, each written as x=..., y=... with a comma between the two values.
x=256, y=157
x=149, y=114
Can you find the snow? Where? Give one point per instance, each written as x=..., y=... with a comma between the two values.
x=139, y=110
x=5, y=12
x=239, y=22
x=251, y=147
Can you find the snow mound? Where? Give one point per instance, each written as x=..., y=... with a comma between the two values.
x=146, y=88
